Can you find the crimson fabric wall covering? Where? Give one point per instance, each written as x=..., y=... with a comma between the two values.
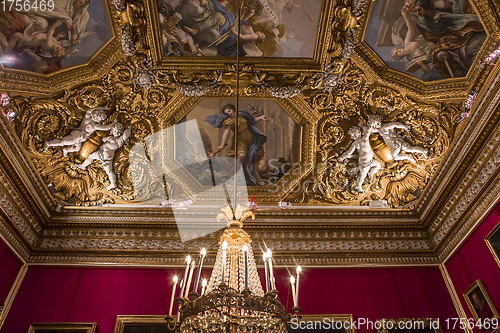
x=474, y=261
x=86, y=294
x=9, y=268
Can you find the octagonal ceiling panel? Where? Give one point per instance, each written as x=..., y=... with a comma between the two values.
x=272, y=145
x=66, y=34
x=269, y=28
x=430, y=40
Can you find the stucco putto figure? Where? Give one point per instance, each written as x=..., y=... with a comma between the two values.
x=368, y=165
x=91, y=122
x=399, y=147
x=106, y=152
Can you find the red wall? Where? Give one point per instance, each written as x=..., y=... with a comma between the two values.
x=9, y=268
x=474, y=261
x=55, y=294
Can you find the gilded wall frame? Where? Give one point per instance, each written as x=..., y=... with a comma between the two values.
x=481, y=306
x=493, y=242
x=63, y=327
x=409, y=325
x=122, y=322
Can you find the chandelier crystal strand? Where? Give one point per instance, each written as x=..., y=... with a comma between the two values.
x=216, y=277
x=253, y=277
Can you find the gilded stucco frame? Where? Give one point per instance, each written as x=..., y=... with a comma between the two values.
x=320, y=55
x=95, y=67
x=366, y=56
x=300, y=112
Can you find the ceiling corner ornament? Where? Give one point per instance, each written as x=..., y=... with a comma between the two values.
x=146, y=77
x=132, y=21
x=89, y=165
x=349, y=102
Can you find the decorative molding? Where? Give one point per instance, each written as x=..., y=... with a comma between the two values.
x=460, y=149
x=179, y=260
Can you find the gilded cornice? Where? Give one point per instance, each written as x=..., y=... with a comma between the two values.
x=473, y=136
x=472, y=218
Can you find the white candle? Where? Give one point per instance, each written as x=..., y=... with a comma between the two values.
x=188, y=261
x=203, y=253
x=188, y=284
x=181, y=285
x=292, y=282
x=224, y=248
x=266, y=272
x=245, y=250
x=173, y=296
x=203, y=286
x=271, y=274
x=299, y=271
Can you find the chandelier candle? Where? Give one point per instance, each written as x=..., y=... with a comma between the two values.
x=203, y=253
x=245, y=250
x=292, y=282
x=266, y=271
x=299, y=271
x=186, y=290
x=181, y=286
x=173, y=296
x=188, y=261
x=203, y=286
x=234, y=300
x=271, y=274
x=224, y=248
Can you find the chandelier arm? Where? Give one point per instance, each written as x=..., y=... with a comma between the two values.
x=224, y=296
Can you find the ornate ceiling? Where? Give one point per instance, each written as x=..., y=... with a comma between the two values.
x=354, y=113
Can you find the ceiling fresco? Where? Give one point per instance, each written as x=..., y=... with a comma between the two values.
x=62, y=35
x=106, y=150
x=431, y=40
x=269, y=28
x=271, y=140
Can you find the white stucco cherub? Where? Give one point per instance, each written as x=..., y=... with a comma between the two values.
x=90, y=123
x=106, y=151
x=392, y=139
x=368, y=165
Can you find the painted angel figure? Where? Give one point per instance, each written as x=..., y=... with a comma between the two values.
x=413, y=46
x=392, y=139
x=91, y=122
x=72, y=13
x=106, y=152
x=250, y=138
x=47, y=44
x=368, y=165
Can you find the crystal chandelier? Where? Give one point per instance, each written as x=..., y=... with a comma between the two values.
x=234, y=300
